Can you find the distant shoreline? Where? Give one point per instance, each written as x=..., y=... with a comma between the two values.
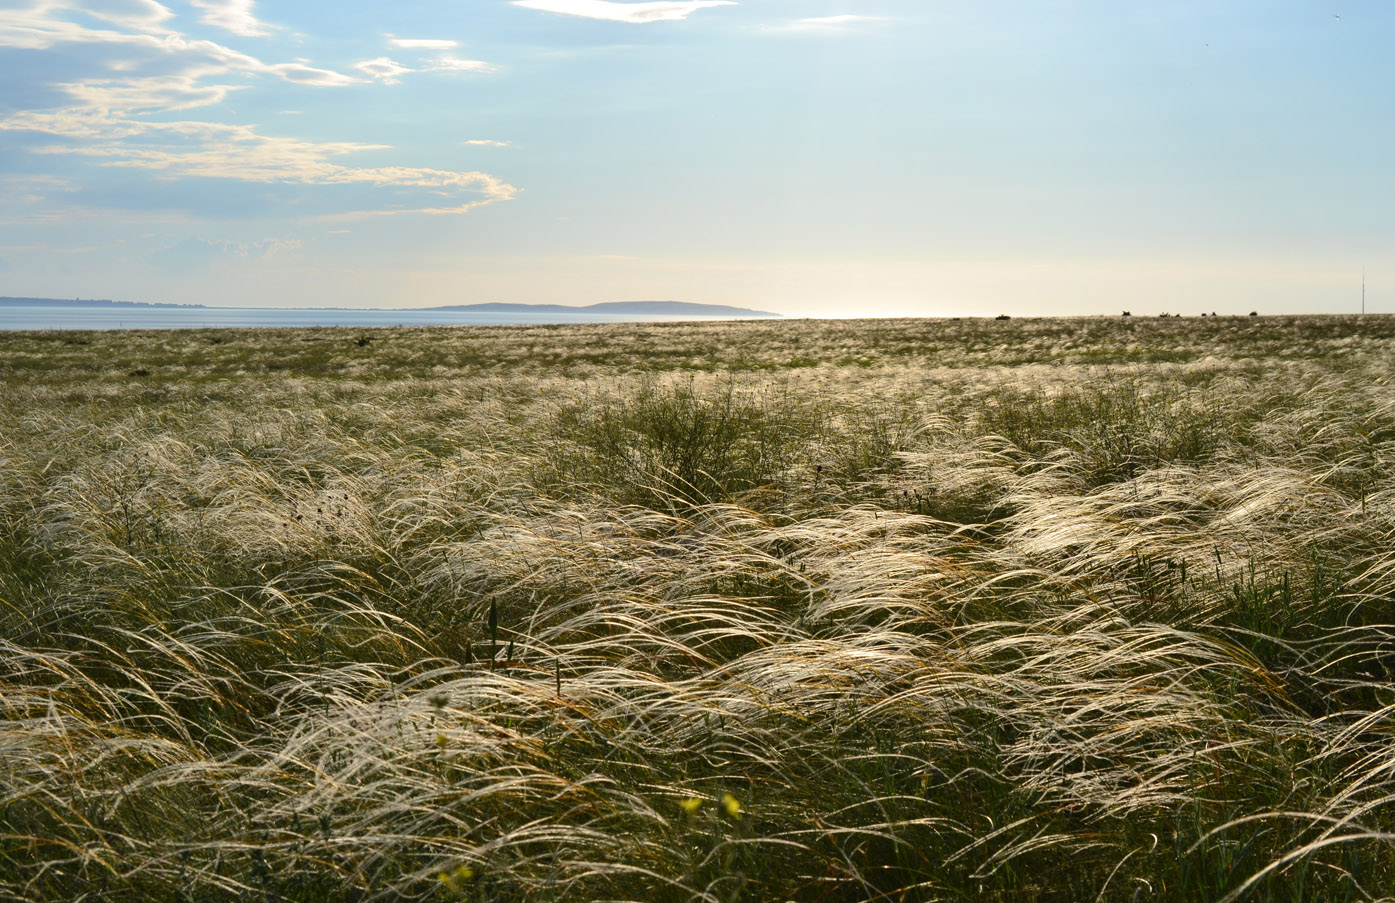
x=605, y=308
x=95, y=302
x=26, y=315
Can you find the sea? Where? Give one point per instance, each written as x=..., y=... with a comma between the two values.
x=38, y=316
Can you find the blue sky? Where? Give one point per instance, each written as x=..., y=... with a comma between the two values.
x=813, y=157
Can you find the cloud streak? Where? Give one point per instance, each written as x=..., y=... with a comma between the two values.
x=824, y=24
x=232, y=15
x=448, y=63
x=631, y=13
x=390, y=72
x=423, y=44
x=383, y=69
x=220, y=151
x=44, y=27
x=138, y=14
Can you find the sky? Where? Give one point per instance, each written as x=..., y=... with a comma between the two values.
x=826, y=158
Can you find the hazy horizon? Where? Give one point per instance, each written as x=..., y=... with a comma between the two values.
x=807, y=157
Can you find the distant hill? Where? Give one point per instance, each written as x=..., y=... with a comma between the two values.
x=628, y=308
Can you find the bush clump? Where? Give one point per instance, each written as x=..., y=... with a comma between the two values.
x=662, y=442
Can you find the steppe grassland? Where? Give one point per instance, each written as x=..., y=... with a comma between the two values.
x=904, y=610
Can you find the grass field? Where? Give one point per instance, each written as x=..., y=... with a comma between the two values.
x=1027, y=610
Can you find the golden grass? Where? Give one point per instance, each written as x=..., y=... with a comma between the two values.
x=1038, y=610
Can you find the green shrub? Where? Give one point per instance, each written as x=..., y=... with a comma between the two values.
x=1114, y=429
x=675, y=442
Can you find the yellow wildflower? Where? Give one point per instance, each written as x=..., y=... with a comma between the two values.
x=455, y=879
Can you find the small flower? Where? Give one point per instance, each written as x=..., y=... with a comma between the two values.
x=731, y=804
x=691, y=805
x=454, y=879
x=441, y=741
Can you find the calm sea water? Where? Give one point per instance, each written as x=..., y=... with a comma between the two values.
x=41, y=317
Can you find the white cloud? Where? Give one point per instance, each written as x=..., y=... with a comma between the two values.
x=423, y=44
x=139, y=14
x=634, y=13
x=43, y=27
x=383, y=69
x=835, y=20
x=125, y=113
x=302, y=74
x=153, y=94
x=232, y=15
x=824, y=23
x=454, y=64
x=487, y=142
x=220, y=151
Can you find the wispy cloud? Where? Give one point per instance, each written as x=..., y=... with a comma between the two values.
x=383, y=69
x=138, y=14
x=423, y=44
x=220, y=151
x=32, y=197
x=634, y=13
x=449, y=63
x=172, y=93
x=69, y=250
x=390, y=72
x=45, y=26
x=196, y=254
x=487, y=142
x=825, y=24
x=835, y=21
x=126, y=112
x=232, y=15
x=304, y=74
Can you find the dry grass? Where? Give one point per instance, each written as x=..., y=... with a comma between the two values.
x=1039, y=610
